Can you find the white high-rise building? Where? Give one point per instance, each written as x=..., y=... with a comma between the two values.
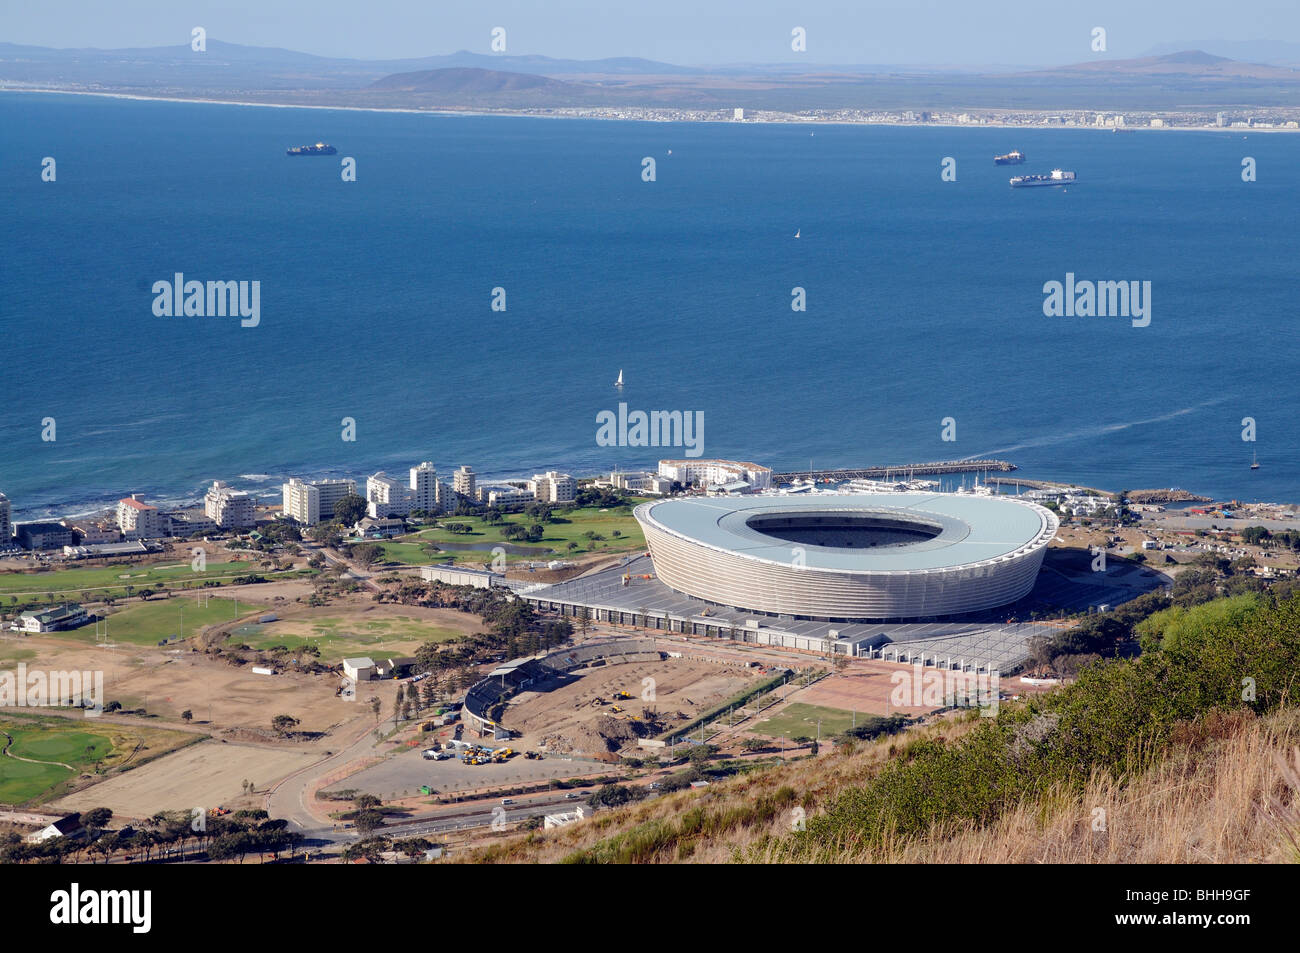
x=309, y=502
x=386, y=496
x=465, y=482
x=6, y=522
x=137, y=519
x=446, y=498
x=229, y=508
x=553, y=487
x=424, y=487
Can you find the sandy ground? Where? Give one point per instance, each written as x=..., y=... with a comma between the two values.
x=166, y=682
x=205, y=775
x=566, y=712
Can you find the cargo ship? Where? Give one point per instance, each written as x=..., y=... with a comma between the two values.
x=320, y=149
x=1055, y=177
x=1011, y=158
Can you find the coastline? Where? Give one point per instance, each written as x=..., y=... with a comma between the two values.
x=599, y=114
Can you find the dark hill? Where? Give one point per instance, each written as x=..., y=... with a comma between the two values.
x=465, y=80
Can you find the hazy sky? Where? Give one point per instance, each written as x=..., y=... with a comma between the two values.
x=953, y=32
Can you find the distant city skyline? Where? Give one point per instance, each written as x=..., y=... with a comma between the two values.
x=919, y=32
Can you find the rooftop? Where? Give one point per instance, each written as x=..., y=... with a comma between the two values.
x=964, y=529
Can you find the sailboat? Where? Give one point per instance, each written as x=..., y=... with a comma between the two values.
x=797, y=231
x=619, y=382
x=1254, y=461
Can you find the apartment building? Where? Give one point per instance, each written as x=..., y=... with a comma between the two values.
x=386, y=496
x=553, y=487
x=229, y=508
x=465, y=482
x=138, y=520
x=424, y=487
x=309, y=502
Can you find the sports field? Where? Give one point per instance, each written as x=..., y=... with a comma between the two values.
x=93, y=584
x=800, y=720
x=148, y=623
x=340, y=637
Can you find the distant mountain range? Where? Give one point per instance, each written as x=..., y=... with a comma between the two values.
x=1177, y=80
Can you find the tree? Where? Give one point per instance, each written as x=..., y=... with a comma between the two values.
x=367, y=554
x=350, y=509
x=369, y=820
x=96, y=819
x=375, y=706
x=327, y=534
x=187, y=715
x=371, y=849
x=283, y=723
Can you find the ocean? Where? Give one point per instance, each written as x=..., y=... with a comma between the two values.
x=924, y=298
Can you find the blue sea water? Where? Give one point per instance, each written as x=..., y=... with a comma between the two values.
x=924, y=298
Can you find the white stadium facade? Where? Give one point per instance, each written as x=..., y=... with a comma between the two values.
x=849, y=558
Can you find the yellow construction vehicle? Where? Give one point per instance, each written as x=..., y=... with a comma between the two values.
x=622, y=695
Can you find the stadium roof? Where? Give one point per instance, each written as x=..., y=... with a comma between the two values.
x=971, y=528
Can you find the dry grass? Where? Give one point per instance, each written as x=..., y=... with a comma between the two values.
x=1228, y=792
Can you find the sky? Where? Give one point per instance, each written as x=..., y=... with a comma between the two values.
x=691, y=32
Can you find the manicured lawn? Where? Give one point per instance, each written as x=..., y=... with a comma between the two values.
x=570, y=526
x=800, y=719
x=21, y=781
x=69, y=584
x=407, y=554
x=148, y=623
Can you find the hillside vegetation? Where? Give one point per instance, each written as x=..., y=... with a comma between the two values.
x=1186, y=753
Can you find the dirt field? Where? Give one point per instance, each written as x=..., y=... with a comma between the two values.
x=564, y=720
x=358, y=627
x=205, y=775
x=167, y=682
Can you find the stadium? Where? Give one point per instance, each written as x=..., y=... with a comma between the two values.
x=849, y=558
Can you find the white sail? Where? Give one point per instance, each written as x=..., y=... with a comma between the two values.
x=619, y=382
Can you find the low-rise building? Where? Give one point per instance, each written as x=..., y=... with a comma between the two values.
x=99, y=550
x=371, y=528
x=42, y=535
x=564, y=818
x=189, y=523
x=359, y=669
x=459, y=576
x=501, y=494
x=553, y=487
x=89, y=533
x=69, y=826
x=642, y=482
x=70, y=615
x=716, y=473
